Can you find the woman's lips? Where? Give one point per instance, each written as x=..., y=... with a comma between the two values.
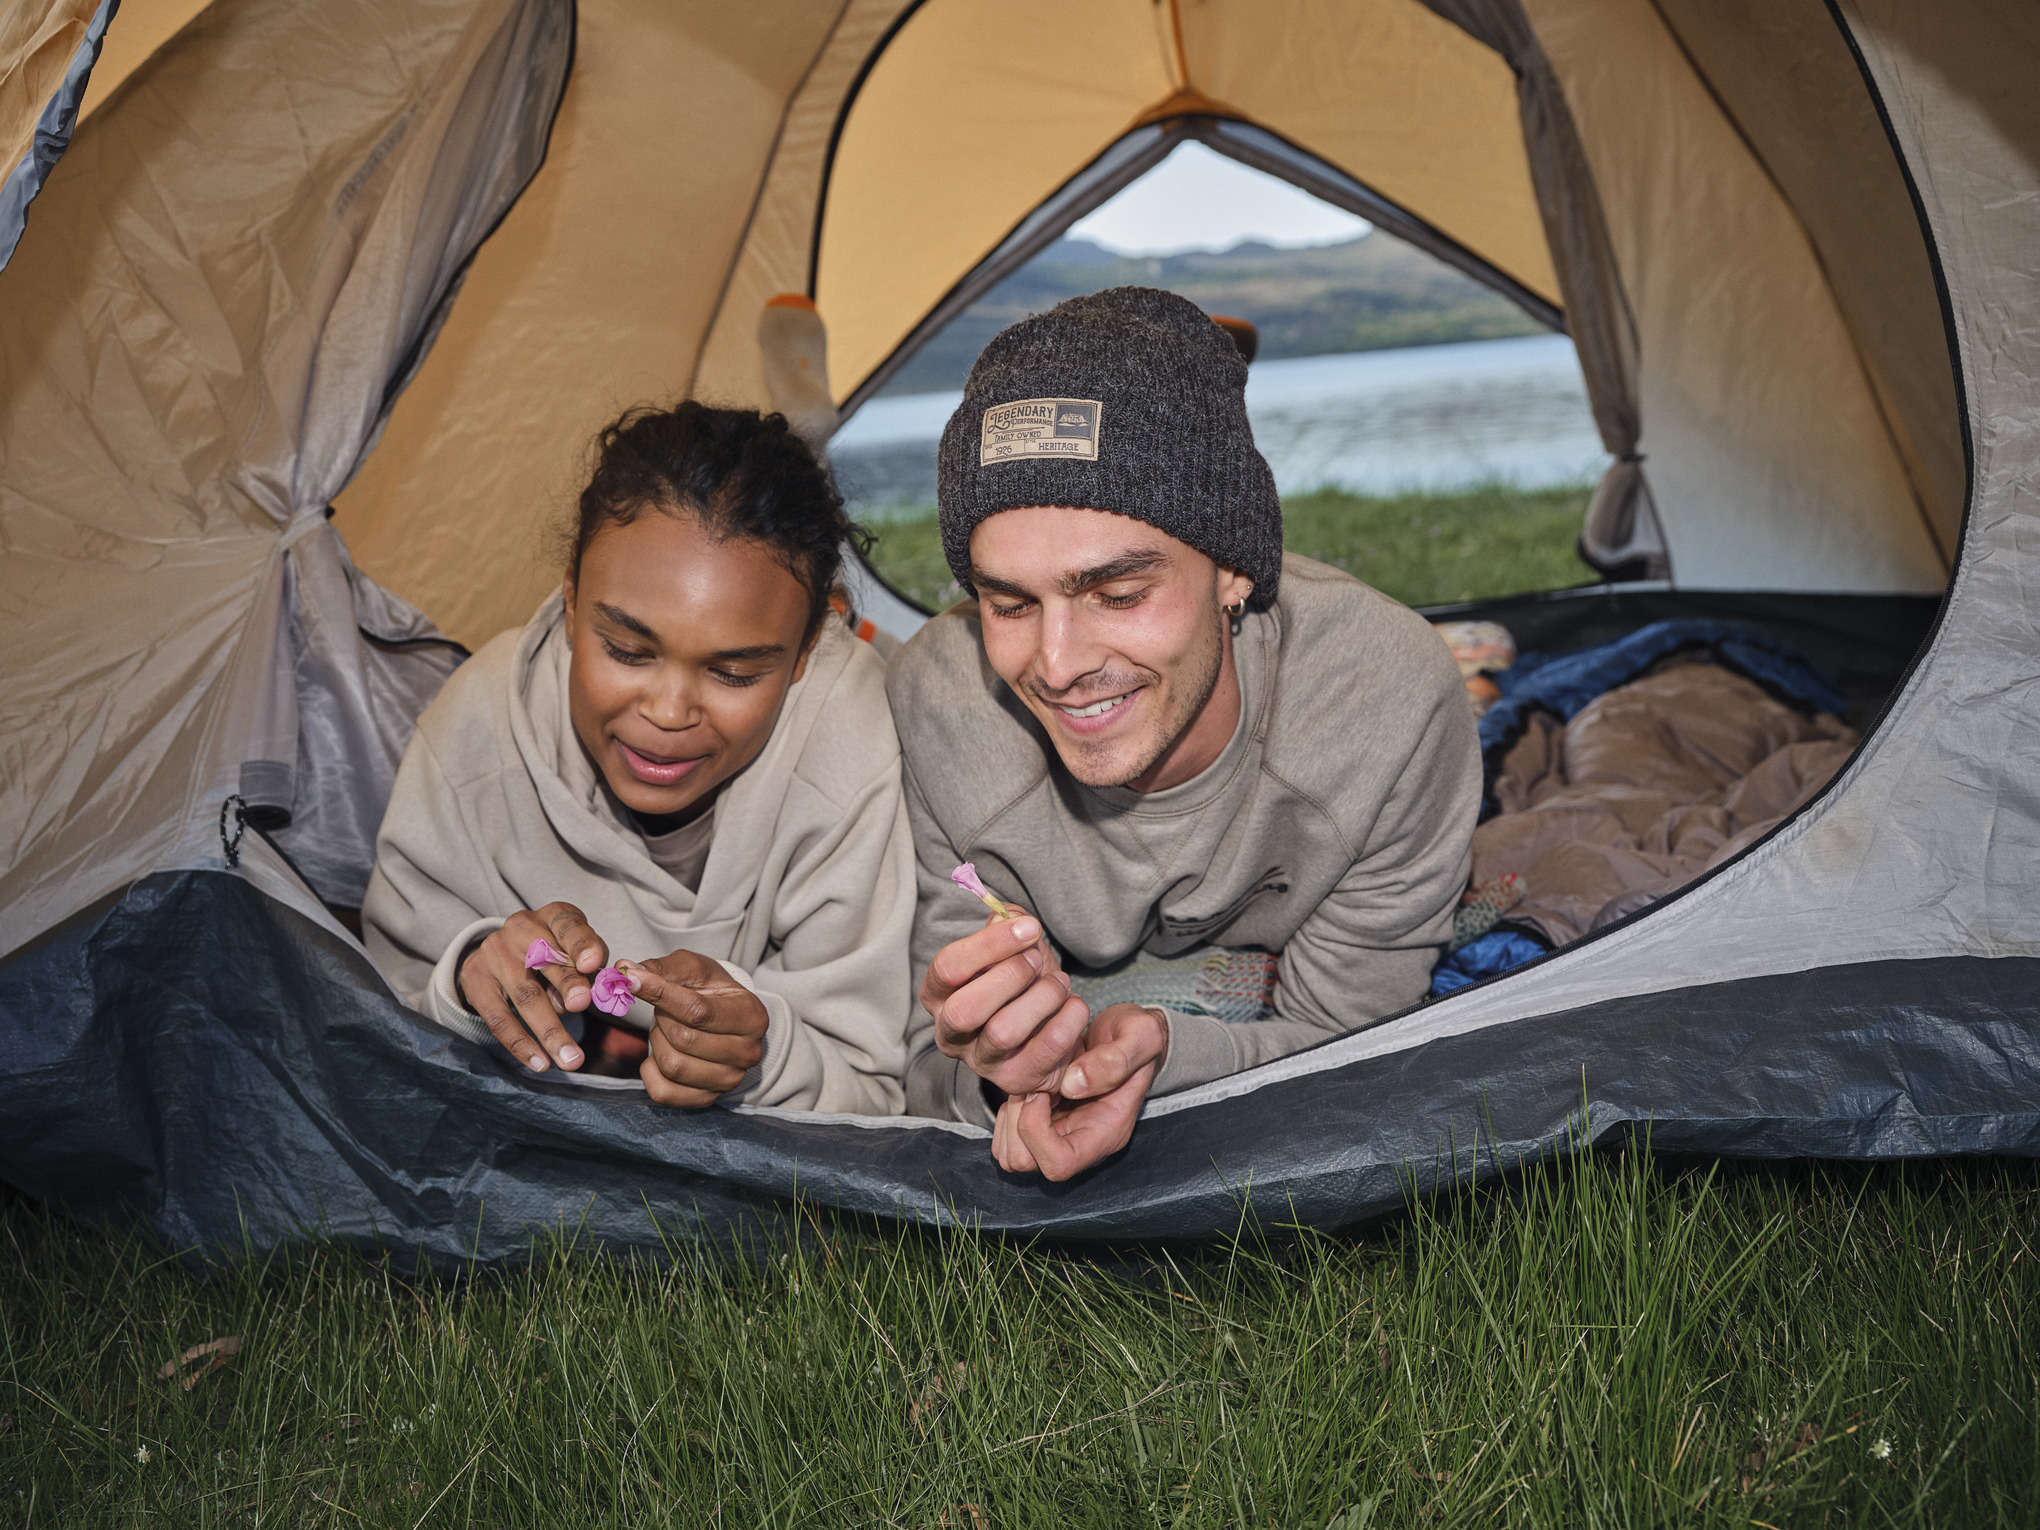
x=654, y=771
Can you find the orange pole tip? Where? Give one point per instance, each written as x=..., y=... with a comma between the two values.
x=790, y=300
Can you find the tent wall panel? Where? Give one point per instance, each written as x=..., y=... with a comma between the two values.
x=593, y=295
x=194, y=350
x=779, y=243
x=973, y=115
x=1769, y=459
x=1785, y=75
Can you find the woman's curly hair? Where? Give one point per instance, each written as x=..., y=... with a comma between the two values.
x=744, y=474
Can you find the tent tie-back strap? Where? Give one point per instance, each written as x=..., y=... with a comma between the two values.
x=1631, y=456
x=300, y=526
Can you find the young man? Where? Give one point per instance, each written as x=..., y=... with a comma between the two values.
x=1173, y=746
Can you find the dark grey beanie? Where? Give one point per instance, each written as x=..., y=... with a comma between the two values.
x=1130, y=400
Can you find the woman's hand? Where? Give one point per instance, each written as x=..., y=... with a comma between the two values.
x=709, y=1030
x=520, y=1003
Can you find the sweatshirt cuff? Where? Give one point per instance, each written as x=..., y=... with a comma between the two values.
x=1200, y=1050
x=944, y=1089
x=442, y=998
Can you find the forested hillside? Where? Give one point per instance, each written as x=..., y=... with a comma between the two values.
x=1368, y=294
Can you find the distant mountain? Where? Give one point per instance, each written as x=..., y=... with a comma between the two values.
x=1368, y=294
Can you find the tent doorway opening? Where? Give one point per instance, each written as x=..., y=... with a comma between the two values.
x=1426, y=418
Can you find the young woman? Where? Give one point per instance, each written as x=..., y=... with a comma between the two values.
x=683, y=768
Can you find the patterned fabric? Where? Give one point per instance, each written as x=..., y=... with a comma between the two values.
x=1482, y=908
x=1226, y=985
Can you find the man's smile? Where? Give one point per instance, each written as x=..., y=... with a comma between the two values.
x=1095, y=716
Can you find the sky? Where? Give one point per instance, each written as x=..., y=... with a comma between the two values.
x=1198, y=200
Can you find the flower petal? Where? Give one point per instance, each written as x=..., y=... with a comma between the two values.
x=612, y=992
x=543, y=953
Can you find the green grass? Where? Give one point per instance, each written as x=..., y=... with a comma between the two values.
x=1603, y=1343
x=1423, y=549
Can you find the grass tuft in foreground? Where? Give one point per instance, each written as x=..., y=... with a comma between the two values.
x=1601, y=1343
x=1423, y=549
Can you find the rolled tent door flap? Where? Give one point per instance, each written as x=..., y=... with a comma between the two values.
x=229, y=273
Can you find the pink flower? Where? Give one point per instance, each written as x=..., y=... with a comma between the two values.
x=612, y=991
x=543, y=953
x=966, y=877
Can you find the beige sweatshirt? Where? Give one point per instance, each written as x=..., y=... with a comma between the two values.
x=1333, y=830
x=807, y=894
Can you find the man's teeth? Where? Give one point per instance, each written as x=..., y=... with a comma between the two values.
x=1096, y=708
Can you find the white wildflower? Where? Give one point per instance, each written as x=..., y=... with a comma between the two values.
x=1881, y=1449
x=142, y=1454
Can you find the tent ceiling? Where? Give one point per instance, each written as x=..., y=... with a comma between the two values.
x=1797, y=421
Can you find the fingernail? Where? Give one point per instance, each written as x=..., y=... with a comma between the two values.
x=1073, y=1080
x=631, y=976
x=569, y=1056
x=1033, y=955
x=536, y=1065
x=1065, y=979
x=1026, y=931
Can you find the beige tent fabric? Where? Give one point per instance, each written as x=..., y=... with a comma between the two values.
x=593, y=295
x=193, y=347
x=965, y=124
x=1394, y=95
x=1770, y=461
x=138, y=29
x=1786, y=77
x=38, y=39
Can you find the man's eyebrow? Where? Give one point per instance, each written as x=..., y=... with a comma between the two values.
x=625, y=620
x=1125, y=566
x=755, y=651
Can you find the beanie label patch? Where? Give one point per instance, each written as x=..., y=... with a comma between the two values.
x=1040, y=427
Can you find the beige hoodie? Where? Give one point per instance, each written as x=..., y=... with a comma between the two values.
x=807, y=896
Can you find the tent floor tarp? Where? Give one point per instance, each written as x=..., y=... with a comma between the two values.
x=195, y=1056
x=200, y=1059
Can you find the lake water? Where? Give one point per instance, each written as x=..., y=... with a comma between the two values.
x=1436, y=417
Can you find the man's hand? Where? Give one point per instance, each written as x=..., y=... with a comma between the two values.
x=1002, y=1004
x=709, y=1030
x=1091, y=1117
x=520, y=1004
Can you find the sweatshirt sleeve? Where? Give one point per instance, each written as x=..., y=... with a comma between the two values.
x=427, y=897
x=835, y=983
x=1368, y=949
x=938, y=1086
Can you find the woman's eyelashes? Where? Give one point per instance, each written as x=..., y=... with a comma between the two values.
x=625, y=655
x=734, y=679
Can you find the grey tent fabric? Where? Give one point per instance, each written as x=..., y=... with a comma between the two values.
x=1621, y=537
x=196, y=348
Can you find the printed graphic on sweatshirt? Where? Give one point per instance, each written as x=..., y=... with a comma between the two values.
x=1040, y=427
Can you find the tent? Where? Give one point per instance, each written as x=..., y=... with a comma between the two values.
x=305, y=335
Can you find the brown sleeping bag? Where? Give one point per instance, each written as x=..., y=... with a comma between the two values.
x=1645, y=789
